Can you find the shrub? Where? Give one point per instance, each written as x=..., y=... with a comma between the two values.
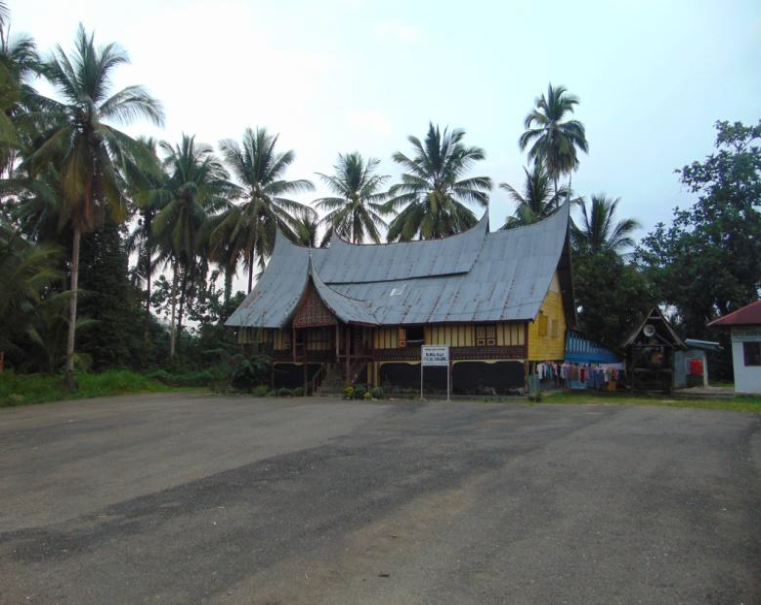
x=349, y=393
x=359, y=392
x=368, y=396
x=261, y=391
x=378, y=393
x=298, y=392
x=283, y=392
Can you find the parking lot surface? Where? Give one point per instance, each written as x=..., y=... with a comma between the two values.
x=189, y=499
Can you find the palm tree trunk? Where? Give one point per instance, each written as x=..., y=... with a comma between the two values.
x=250, y=271
x=172, y=332
x=183, y=296
x=557, y=201
x=71, y=381
x=228, y=283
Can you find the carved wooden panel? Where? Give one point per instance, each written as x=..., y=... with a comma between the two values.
x=312, y=312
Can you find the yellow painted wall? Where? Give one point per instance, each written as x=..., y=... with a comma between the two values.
x=546, y=334
x=386, y=338
x=256, y=335
x=454, y=335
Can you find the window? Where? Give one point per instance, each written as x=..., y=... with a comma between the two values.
x=752, y=353
x=554, y=328
x=415, y=335
x=486, y=336
x=542, y=324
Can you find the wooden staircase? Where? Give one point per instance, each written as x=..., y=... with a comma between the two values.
x=333, y=382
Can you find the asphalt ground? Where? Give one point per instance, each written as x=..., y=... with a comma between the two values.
x=186, y=499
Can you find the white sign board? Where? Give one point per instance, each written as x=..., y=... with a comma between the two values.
x=435, y=356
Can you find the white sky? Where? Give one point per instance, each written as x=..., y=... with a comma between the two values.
x=341, y=75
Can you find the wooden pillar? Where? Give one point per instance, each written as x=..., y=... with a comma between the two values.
x=347, y=354
x=526, y=368
x=306, y=376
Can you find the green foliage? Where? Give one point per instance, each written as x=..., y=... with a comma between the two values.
x=261, y=391
x=598, y=231
x=378, y=393
x=349, y=393
x=358, y=210
x=367, y=396
x=708, y=261
x=118, y=340
x=26, y=272
x=537, y=201
x=20, y=389
x=433, y=193
x=359, y=391
x=737, y=404
x=284, y=392
x=298, y=392
x=550, y=137
x=246, y=232
x=612, y=295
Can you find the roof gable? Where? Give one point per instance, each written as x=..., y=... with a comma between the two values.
x=473, y=276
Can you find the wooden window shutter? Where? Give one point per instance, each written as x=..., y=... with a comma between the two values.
x=480, y=336
x=491, y=336
x=542, y=324
x=402, y=338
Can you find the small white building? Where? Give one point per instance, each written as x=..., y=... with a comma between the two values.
x=745, y=326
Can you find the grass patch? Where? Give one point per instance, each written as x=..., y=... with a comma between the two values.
x=23, y=389
x=738, y=404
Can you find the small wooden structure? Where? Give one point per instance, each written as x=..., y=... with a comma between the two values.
x=650, y=351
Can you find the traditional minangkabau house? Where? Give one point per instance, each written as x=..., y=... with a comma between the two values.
x=359, y=313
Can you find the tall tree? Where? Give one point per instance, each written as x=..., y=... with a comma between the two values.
x=551, y=137
x=707, y=261
x=599, y=231
x=537, y=201
x=434, y=191
x=90, y=151
x=248, y=229
x=356, y=210
x=196, y=186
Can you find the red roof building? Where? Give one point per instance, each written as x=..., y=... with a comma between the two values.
x=749, y=315
x=745, y=328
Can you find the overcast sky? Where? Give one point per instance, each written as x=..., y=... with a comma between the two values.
x=341, y=75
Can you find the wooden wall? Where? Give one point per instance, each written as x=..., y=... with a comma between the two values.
x=454, y=335
x=546, y=334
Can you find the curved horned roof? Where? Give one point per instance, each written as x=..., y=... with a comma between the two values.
x=471, y=276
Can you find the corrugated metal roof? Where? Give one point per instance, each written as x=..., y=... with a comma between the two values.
x=583, y=350
x=347, y=263
x=506, y=279
x=345, y=308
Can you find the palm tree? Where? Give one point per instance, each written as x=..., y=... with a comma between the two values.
x=306, y=230
x=433, y=192
x=148, y=178
x=196, y=187
x=90, y=152
x=537, y=201
x=599, y=232
x=25, y=271
x=248, y=229
x=357, y=210
x=554, y=140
